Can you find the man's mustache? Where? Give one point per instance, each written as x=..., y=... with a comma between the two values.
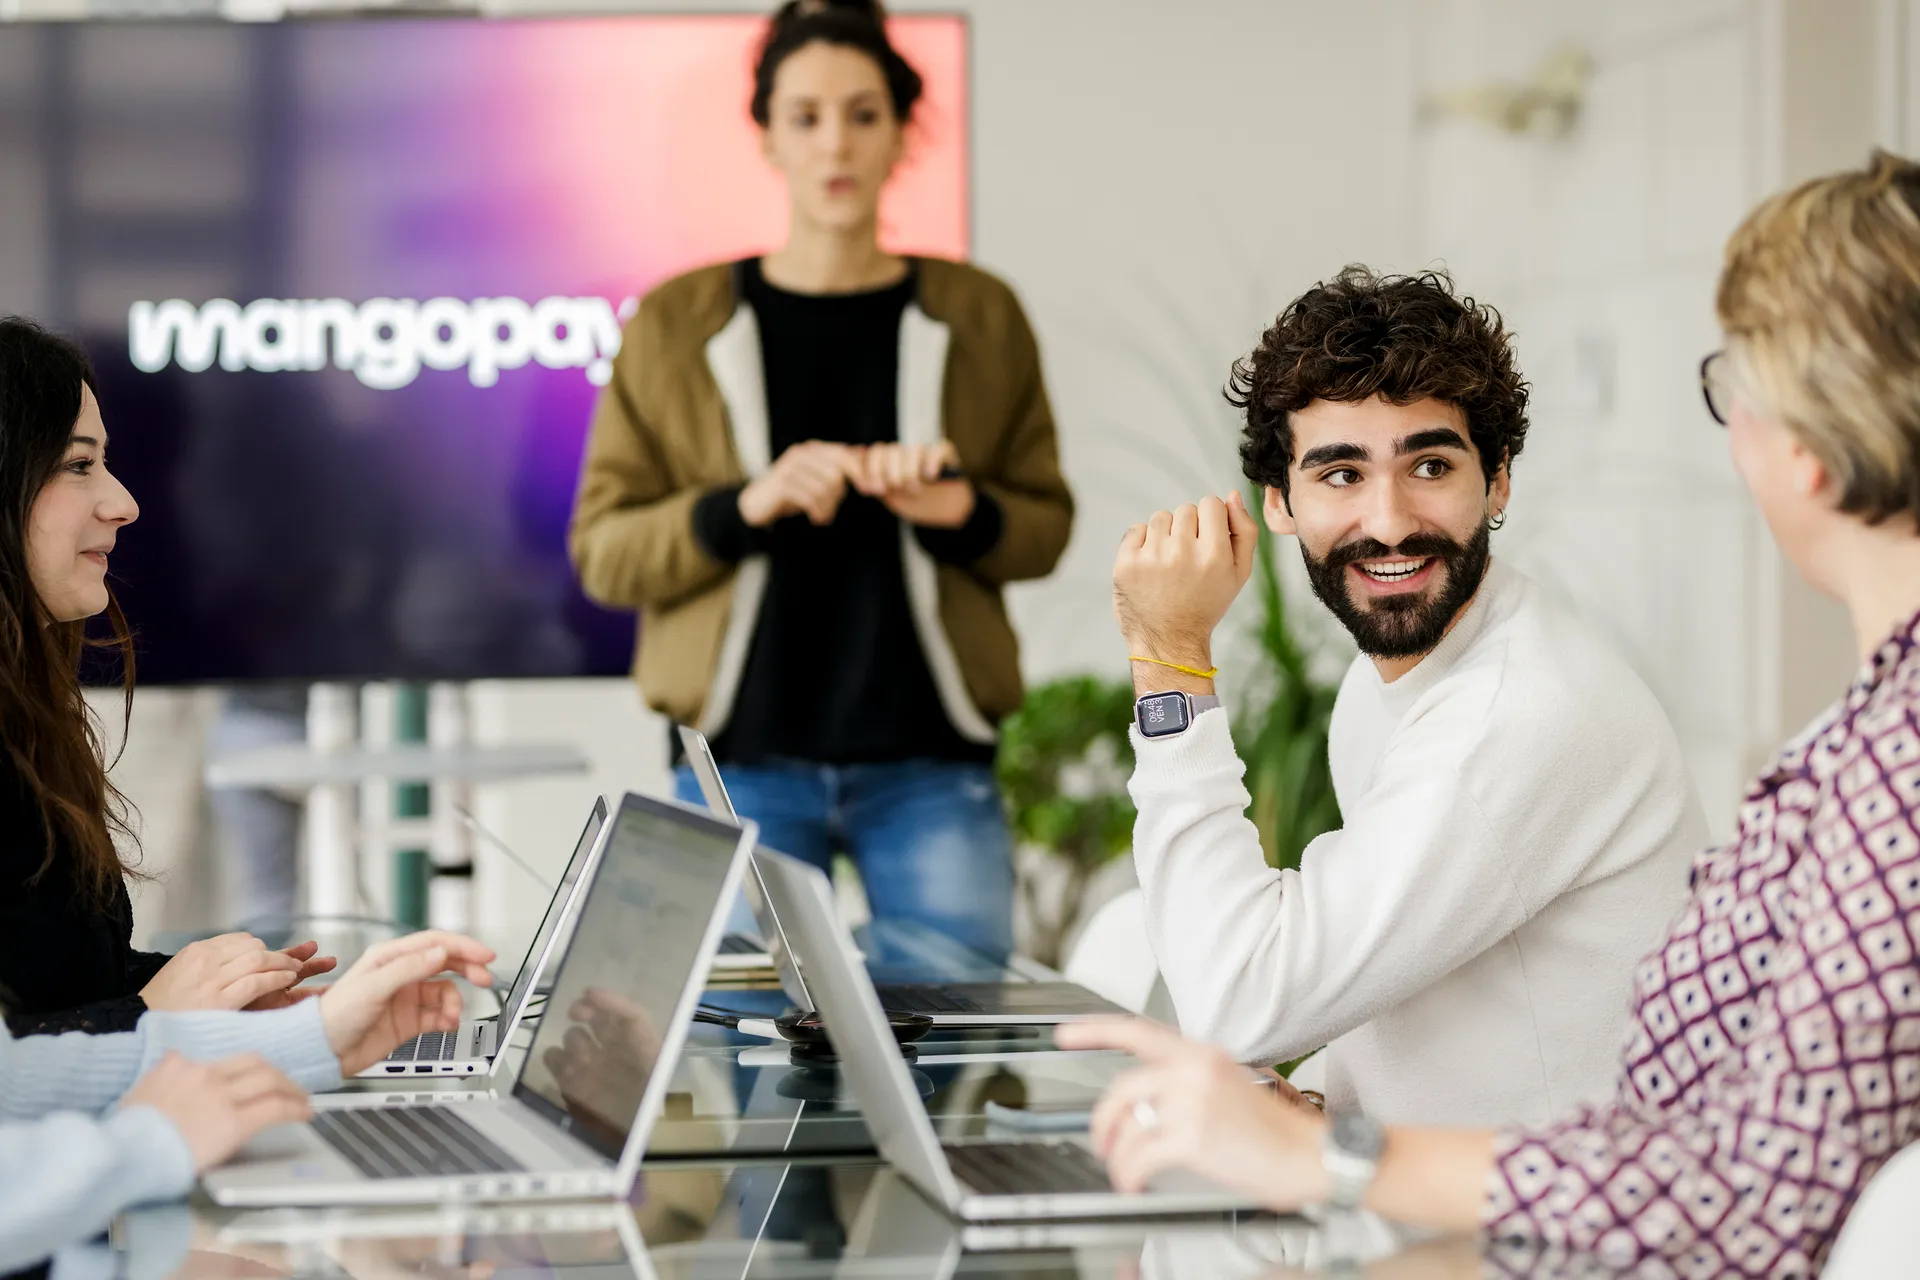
x=1418, y=546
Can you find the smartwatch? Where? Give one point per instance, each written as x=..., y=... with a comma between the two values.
x=1161, y=715
x=1350, y=1153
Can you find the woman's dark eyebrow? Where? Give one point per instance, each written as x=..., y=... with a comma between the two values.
x=1431, y=438
x=86, y=440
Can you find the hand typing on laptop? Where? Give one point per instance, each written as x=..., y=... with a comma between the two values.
x=1190, y=1107
x=387, y=997
x=217, y=1106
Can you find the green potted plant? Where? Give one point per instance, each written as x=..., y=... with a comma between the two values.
x=1280, y=722
x=1062, y=766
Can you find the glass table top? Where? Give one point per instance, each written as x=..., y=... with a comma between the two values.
x=763, y=1168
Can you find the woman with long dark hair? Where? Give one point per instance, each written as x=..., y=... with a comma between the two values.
x=93, y=1124
x=66, y=922
x=813, y=473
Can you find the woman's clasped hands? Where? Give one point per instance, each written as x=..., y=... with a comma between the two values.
x=812, y=478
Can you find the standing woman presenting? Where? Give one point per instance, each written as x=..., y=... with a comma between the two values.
x=812, y=474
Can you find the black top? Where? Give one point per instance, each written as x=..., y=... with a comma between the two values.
x=835, y=673
x=66, y=963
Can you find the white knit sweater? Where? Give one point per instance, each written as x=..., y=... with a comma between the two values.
x=1518, y=827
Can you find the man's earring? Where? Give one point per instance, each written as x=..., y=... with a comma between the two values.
x=1497, y=521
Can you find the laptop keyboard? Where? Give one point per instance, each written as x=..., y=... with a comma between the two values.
x=431, y=1046
x=914, y=997
x=1027, y=1168
x=410, y=1142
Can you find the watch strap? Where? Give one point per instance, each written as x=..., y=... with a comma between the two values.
x=1350, y=1154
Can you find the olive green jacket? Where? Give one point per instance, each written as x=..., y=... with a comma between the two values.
x=686, y=412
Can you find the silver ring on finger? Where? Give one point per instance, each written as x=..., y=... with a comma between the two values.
x=1145, y=1114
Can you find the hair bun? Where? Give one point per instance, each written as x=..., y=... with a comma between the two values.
x=800, y=10
x=866, y=8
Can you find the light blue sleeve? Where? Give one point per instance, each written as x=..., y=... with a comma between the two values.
x=64, y=1177
x=88, y=1073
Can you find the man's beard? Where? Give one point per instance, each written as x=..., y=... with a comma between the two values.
x=1401, y=626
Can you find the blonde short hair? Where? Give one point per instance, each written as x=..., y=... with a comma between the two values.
x=1820, y=295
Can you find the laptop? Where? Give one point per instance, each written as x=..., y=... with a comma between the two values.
x=975, y=1181
x=572, y=1118
x=470, y=1051
x=949, y=1004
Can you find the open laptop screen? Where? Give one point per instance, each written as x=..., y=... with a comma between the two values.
x=629, y=962
x=529, y=967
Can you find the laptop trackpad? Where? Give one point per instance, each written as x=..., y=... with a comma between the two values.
x=288, y=1154
x=281, y=1142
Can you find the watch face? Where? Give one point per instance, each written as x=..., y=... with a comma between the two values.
x=1160, y=714
x=1358, y=1134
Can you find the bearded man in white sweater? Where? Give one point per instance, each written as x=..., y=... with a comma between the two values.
x=1518, y=822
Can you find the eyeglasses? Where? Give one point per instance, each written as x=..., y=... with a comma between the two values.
x=1716, y=386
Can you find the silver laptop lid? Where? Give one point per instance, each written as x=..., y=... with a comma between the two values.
x=706, y=772
x=869, y=1058
x=631, y=973
x=523, y=981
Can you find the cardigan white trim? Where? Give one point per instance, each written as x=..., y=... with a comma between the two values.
x=733, y=356
x=923, y=378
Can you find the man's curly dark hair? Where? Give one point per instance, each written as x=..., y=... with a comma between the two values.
x=1363, y=334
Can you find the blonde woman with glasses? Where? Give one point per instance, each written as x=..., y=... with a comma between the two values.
x=1772, y=1062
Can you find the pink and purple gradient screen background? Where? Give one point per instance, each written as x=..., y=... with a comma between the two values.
x=571, y=155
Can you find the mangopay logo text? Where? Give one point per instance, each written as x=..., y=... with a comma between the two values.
x=386, y=342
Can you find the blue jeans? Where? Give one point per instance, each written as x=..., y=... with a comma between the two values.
x=929, y=837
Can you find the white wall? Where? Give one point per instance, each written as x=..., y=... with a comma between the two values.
x=1601, y=249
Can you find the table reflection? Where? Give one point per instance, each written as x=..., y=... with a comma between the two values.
x=736, y=1097
x=579, y=1242
x=802, y=1220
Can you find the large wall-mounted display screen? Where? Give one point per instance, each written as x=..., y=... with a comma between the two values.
x=352, y=287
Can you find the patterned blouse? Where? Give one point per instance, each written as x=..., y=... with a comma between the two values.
x=1773, y=1060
